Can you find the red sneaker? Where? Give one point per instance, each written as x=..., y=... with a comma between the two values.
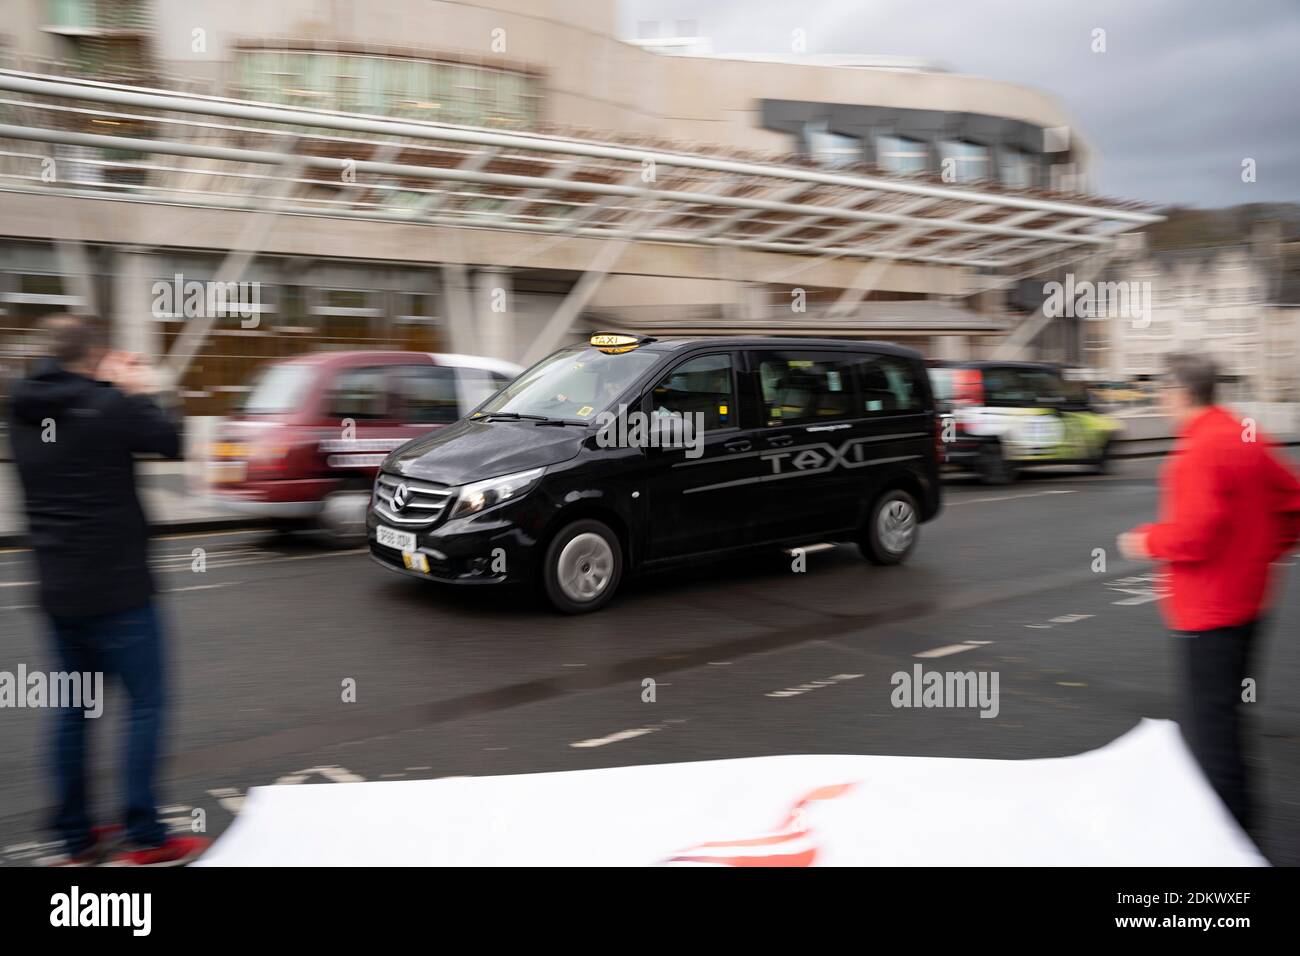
x=175, y=851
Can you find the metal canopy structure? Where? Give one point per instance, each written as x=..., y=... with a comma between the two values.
x=163, y=147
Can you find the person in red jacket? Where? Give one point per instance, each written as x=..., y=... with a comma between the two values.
x=1230, y=508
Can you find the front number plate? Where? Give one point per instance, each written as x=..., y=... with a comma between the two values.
x=228, y=472
x=392, y=538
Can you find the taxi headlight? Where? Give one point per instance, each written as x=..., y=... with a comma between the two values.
x=481, y=495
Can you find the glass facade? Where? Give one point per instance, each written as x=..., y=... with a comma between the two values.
x=898, y=154
x=970, y=161
x=1017, y=168
x=832, y=149
x=444, y=92
x=297, y=319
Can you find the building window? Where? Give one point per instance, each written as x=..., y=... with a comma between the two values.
x=73, y=13
x=1019, y=168
x=969, y=161
x=898, y=154
x=416, y=326
x=390, y=86
x=1094, y=336
x=346, y=316
x=832, y=149
x=24, y=300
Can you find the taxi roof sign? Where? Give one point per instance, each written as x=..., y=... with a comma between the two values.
x=615, y=342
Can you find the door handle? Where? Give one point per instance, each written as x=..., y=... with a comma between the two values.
x=738, y=444
x=780, y=441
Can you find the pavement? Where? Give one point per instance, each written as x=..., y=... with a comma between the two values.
x=748, y=658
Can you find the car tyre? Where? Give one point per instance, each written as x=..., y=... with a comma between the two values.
x=892, y=529
x=342, y=518
x=582, y=567
x=993, y=466
x=1102, y=464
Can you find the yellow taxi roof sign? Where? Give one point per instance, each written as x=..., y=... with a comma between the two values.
x=614, y=342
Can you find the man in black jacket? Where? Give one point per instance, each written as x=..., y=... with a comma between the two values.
x=76, y=426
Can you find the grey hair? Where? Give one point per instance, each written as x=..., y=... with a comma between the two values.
x=1195, y=372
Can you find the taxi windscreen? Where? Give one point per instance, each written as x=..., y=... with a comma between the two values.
x=278, y=389
x=576, y=384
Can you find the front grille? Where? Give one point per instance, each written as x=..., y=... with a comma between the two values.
x=424, y=501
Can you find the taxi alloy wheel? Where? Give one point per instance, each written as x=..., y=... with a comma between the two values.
x=892, y=531
x=583, y=566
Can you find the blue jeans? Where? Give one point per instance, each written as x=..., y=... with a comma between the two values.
x=127, y=645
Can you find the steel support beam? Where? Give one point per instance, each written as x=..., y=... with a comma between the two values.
x=232, y=268
x=557, y=326
x=1018, y=339
x=868, y=275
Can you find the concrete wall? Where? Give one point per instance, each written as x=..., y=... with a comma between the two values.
x=592, y=79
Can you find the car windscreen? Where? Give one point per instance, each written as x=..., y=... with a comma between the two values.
x=278, y=389
x=575, y=384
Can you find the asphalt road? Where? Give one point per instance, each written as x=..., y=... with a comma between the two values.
x=749, y=658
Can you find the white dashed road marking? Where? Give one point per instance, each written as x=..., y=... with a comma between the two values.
x=1028, y=494
x=229, y=797
x=332, y=774
x=811, y=548
x=615, y=738
x=813, y=685
x=948, y=649
x=1061, y=619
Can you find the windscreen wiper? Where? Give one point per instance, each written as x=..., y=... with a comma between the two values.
x=510, y=417
x=561, y=421
x=539, y=419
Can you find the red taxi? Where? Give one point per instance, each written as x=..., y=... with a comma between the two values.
x=304, y=448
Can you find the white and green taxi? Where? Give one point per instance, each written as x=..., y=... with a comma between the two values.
x=1000, y=417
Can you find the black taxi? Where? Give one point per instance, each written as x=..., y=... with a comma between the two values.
x=630, y=452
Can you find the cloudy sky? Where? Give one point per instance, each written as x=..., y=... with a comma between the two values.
x=1185, y=90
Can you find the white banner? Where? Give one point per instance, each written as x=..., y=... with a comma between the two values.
x=1140, y=800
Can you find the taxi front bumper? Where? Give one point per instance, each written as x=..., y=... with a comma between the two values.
x=477, y=550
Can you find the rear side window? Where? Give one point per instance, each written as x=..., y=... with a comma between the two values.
x=699, y=386
x=888, y=385
x=1023, y=386
x=799, y=388
x=360, y=394
x=429, y=395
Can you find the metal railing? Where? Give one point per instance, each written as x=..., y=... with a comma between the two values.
x=87, y=138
